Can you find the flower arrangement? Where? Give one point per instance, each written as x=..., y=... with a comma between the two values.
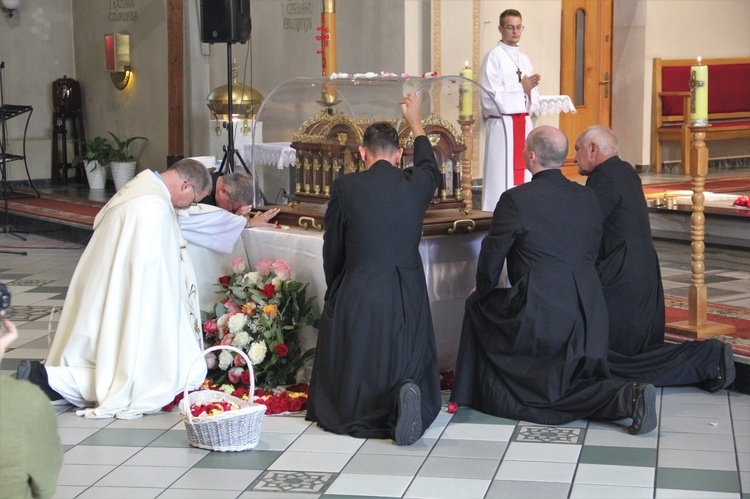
x=261, y=313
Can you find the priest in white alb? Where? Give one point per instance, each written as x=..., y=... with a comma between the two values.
x=513, y=95
x=130, y=327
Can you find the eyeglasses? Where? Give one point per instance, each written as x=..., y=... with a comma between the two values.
x=195, y=195
x=514, y=29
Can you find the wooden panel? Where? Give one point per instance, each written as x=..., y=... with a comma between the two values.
x=175, y=79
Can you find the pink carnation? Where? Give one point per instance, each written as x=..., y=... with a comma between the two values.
x=264, y=267
x=238, y=265
x=282, y=270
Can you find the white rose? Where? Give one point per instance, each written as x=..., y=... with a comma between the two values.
x=276, y=281
x=236, y=323
x=241, y=340
x=221, y=322
x=251, y=278
x=226, y=359
x=257, y=352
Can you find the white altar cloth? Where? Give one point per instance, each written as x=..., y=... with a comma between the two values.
x=449, y=264
x=555, y=104
x=278, y=154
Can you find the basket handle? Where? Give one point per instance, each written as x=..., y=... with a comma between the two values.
x=203, y=357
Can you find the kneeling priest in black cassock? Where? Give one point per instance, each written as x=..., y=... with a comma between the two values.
x=537, y=351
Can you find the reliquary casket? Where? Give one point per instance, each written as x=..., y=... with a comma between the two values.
x=327, y=141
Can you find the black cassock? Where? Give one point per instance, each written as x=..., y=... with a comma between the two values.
x=628, y=264
x=376, y=328
x=629, y=270
x=537, y=351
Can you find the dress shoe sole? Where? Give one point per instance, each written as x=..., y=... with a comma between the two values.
x=727, y=366
x=648, y=421
x=24, y=370
x=409, y=425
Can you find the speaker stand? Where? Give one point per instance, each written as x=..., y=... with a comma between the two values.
x=229, y=151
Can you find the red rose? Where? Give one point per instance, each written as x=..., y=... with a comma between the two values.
x=224, y=281
x=209, y=327
x=452, y=407
x=268, y=290
x=240, y=392
x=282, y=350
x=245, y=378
x=296, y=405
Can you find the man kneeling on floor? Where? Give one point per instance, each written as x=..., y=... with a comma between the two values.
x=537, y=351
x=375, y=373
x=130, y=327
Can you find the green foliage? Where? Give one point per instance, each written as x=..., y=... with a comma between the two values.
x=98, y=149
x=121, y=151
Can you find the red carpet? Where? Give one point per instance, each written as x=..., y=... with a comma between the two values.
x=677, y=310
x=739, y=185
x=69, y=210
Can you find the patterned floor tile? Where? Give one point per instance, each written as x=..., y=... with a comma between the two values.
x=26, y=313
x=292, y=481
x=548, y=434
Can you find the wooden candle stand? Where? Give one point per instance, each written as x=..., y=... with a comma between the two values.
x=697, y=326
x=467, y=123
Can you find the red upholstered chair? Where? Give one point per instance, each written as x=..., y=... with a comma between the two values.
x=728, y=104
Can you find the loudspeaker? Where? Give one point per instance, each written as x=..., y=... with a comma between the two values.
x=225, y=21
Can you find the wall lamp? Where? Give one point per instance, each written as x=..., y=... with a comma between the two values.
x=9, y=6
x=117, y=47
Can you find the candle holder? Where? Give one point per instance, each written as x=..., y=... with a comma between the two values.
x=697, y=325
x=467, y=123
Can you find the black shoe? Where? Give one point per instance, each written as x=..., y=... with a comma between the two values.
x=409, y=424
x=34, y=372
x=644, y=409
x=726, y=371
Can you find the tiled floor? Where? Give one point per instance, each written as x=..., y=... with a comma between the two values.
x=701, y=448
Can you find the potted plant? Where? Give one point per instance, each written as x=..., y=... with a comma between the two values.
x=95, y=157
x=123, y=162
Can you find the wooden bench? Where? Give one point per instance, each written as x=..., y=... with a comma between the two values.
x=728, y=104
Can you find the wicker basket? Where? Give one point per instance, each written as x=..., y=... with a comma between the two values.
x=230, y=431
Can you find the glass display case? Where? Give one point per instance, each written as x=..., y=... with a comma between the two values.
x=311, y=128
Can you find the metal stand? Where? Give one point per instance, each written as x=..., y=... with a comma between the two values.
x=229, y=150
x=7, y=227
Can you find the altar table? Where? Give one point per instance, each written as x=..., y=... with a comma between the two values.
x=449, y=264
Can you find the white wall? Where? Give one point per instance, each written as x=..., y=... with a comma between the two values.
x=685, y=29
x=36, y=45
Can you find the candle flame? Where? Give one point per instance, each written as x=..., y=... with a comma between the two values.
x=466, y=64
x=699, y=60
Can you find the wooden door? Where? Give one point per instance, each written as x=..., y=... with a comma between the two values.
x=585, y=68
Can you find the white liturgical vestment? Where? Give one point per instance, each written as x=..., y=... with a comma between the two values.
x=213, y=236
x=505, y=99
x=130, y=327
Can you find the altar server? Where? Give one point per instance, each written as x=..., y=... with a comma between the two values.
x=513, y=95
x=375, y=373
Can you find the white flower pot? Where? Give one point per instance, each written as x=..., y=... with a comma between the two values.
x=96, y=174
x=122, y=173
